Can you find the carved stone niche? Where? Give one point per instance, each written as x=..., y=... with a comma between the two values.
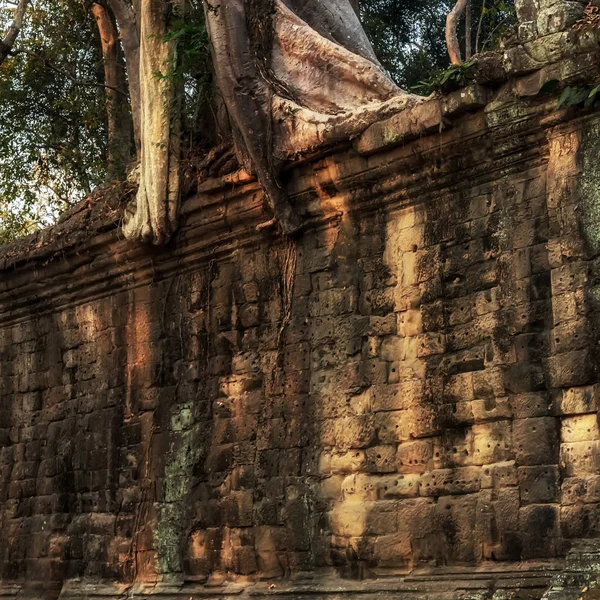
x=538, y=18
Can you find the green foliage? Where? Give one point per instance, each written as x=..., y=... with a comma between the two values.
x=52, y=131
x=493, y=18
x=581, y=96
x=409, y=35
x=192, y=65
x=452, y=78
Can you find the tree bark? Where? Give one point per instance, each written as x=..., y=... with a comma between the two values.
x=130, y=40
x=10, y=38
x=468, y=48
x=153, y=215
x=119, y=119
x=451, y=35
x=295, y=75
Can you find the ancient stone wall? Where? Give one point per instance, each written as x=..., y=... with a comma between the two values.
x=411, y=381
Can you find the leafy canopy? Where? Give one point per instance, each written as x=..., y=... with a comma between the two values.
x=53, y=130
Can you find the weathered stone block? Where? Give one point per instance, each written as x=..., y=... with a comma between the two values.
x=580, y=520
x=499, y=475
x=381, y=459
x=580, y=428
x=393, y=426
x=577, y=400
x=492, y=442
x=539, y=484
x=536, y=441
x=585, y=488
x=533, y=404
x=415, y=457
x=539, y=528
x=580, y=458
x=462, y=480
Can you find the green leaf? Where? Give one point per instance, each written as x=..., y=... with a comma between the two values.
x=563, y=97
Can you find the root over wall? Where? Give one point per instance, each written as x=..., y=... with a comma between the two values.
x=413, y=381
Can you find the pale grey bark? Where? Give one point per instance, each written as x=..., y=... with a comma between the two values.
x=294, y=76
x=319, y=83
x=153, y=216
x=6, y=44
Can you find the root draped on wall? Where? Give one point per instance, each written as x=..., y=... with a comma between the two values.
x=294, y=76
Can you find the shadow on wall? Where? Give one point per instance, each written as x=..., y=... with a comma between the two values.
x=397, y=388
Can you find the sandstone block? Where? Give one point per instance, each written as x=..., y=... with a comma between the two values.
x=533, y=404
x=415, y=457
x=492, y=442
x=463, y=480
x=577, y=400
x=585, y=488
x=580, y=520
x=580, y=428
x=536, y=441
x=355, y=432
x=348, y=462
x=492, y=409
x=539, y=528
x=349, y=519
x=381, y=459
x=580, y=458
x=539, y=484
x=488, y=383
x=392, y=550
x=393, y=426
x=499, y=475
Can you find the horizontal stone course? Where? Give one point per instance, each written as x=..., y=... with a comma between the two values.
x=410, y=383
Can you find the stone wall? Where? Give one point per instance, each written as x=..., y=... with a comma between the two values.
x=411, y=382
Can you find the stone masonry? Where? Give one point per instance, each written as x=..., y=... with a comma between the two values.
x=405, y=395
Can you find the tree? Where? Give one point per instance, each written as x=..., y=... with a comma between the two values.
x=84, y=77
x=276, y=111
x=408, y=36
x=461, y=7
x=6, y=45
x=119, y=124
x=53, y=130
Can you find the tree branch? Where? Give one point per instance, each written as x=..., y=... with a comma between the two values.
x=451, y=36
x=479, y=27
x=73, y=80
x=13, y=31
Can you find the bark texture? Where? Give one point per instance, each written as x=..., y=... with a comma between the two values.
x=130, y=39
x=295, y=75
x=153, y=215
x=117, y=109
x=451, y=35
x=10, y=38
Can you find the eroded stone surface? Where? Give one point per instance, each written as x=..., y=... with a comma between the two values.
x=411, y=383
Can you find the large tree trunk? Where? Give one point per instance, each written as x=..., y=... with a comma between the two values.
x=153, y=215
x=117, y=109
x=6, y=44
x=295, y=75
x=130, y=39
